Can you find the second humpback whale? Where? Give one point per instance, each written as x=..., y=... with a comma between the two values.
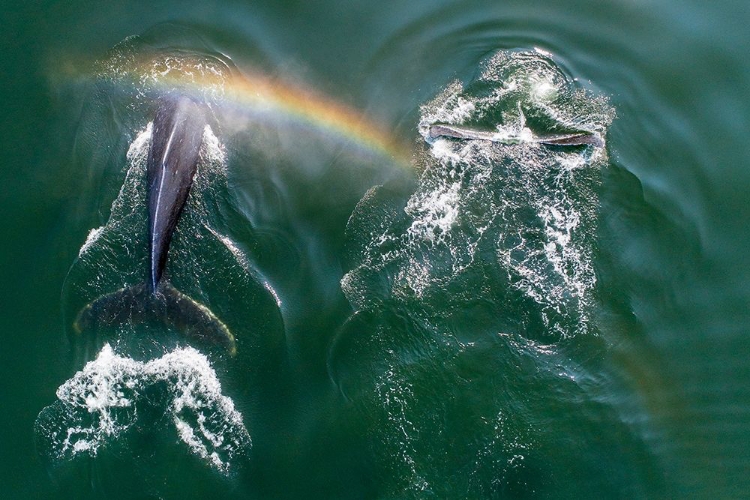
x=581, y=138
x=173, y=158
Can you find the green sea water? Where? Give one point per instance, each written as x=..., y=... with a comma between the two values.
x=417, y=316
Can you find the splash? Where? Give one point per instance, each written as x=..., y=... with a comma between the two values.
x=114, y=397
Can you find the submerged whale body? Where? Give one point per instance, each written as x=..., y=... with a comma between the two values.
x=582, y=138
x=173, y=158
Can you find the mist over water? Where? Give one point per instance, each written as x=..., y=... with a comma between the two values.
x=417, y=315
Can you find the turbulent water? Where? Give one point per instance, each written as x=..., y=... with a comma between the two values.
x=110, y=395
x=431, y=296
x=472, y=293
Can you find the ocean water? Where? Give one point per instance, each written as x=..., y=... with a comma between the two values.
x=431, y=296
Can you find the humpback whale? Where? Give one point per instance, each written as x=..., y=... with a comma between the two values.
x=582, y=138
x=172, y=162
x=173, y=157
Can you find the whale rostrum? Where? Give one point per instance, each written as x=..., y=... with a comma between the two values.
x=582, y=138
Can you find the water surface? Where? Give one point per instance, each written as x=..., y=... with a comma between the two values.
x=416, y=316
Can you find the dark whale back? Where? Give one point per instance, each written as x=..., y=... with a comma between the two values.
x=172, y=162
x=177, y=134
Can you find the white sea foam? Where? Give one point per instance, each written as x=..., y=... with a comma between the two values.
x=214, y=161
x=435, y=213
x=552, y=266
x=506, y=229
x=106, y=399
x=532, y=206
x=136, y=156
x=91, y=238
x=139, y=147
x=212, y=147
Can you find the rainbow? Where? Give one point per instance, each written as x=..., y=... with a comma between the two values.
x=253, y=92
x=305, y=105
